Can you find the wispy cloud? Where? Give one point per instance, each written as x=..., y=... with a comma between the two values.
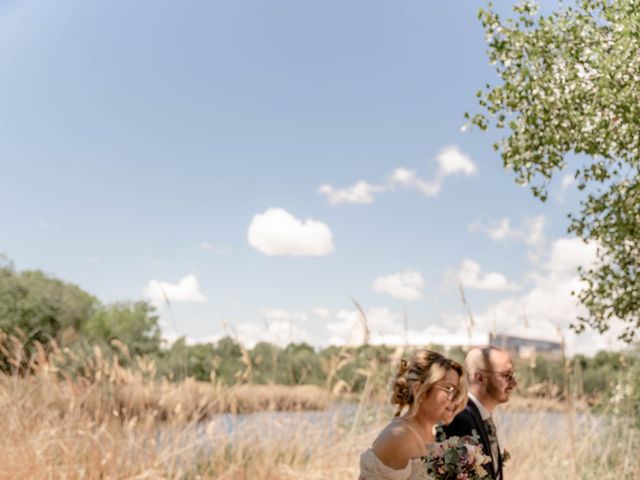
x=277, y=232
x=401, y=177
x=42, y=225
x=361, y=192
x=530, y=232
x=450, y=160
x=208, y=247
x=497, y=230
x=406, y=285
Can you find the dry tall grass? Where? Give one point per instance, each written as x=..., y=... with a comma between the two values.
x=113, y=423
x=38, y=442
x=540, y=444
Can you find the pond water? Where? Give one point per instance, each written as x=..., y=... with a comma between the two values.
x=233, y=431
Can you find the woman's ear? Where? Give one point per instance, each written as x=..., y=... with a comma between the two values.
x=415, y=388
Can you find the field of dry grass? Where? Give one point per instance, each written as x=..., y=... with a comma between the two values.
x=42, y=440
x=115, y=423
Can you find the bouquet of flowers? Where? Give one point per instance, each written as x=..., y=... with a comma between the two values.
x=456, y=458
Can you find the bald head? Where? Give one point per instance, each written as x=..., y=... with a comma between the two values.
x=479, y=358
x=490, y=373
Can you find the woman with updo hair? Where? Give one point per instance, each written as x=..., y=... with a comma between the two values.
x=428, y=390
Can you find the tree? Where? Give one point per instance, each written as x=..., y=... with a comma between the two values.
x=265, y=357
x=133, y=323
x=182, y=360
x=230, y=366
x=569, y=93
x=300, y=365
x=41, y=306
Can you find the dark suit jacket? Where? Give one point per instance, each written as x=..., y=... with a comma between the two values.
x=464, y=423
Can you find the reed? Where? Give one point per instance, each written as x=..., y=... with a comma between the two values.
x=112, y=422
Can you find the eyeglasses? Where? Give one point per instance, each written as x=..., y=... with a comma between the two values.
x=452, y=392
x=508, y=376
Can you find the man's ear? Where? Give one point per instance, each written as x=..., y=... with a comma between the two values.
x=478, y=377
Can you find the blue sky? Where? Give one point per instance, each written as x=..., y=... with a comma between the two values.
x=262, y=163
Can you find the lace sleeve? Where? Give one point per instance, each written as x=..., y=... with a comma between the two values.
x=371, y=468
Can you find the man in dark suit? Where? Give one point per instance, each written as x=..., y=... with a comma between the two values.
x=491, y=378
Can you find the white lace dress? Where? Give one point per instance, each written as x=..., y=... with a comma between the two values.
x=372, y=468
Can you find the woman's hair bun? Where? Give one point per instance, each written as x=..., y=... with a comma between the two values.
x=401, y=393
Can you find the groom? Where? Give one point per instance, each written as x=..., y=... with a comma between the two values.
x=491, y=378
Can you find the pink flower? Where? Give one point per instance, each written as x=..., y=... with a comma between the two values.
x=439, y=451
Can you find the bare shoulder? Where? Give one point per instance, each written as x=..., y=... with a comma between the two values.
x=396, y=445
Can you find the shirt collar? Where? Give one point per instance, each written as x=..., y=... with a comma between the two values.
x=484, y=413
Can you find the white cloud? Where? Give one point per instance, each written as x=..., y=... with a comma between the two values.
x=277, y=232
x=497, y=230
x=406, y=285
x=451, y=336
x=471, y=276
x=500, y=231
x=567, y=254
x=452, y=161
x=409, y=179
x=277, y=332
x=383, y=324
x=187, y=290
x=280, y=327
x=208, y=247
x=403, y=176
x=567, y=181
x=361, y=192
x=94, y=259
x=533, y=231
x=321, y=312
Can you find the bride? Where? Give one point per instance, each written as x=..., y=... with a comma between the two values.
x=434, y=390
